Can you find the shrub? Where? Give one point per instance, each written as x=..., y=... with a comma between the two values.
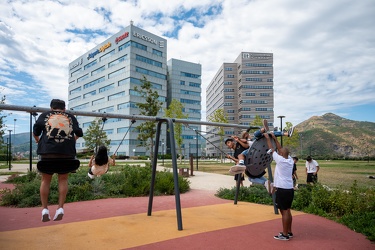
x=257, y=194
x=126, y=181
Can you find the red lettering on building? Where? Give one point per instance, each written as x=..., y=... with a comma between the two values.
x=123, y=36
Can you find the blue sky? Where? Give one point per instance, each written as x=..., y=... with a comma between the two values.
x=324, y=51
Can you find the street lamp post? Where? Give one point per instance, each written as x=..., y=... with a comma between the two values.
x=197, y=146
x=10, y=149
x=162, y=150
x=281, y=127
x=31, y=139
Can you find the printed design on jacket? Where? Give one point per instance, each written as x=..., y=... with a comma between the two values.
x=58, y=126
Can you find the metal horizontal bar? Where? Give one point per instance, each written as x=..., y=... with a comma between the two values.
x=113, y=115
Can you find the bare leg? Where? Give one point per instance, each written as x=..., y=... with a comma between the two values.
x=63, y=188
x=286, y=218
x=44, y=189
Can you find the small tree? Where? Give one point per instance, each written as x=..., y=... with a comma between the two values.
x=149, y=107
x=175, y=110
x=219, y=116
x=293, y=143
x=95, y=136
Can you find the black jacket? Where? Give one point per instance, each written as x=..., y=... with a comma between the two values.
x=58, y=130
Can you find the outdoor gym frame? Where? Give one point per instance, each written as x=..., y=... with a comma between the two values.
x=170, y=129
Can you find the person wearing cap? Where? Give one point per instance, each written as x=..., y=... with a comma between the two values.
x=56, y=133
x=312, y=169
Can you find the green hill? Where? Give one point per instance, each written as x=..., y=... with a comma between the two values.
x=333, y=135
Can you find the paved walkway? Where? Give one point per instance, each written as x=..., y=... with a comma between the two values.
x=208, y=223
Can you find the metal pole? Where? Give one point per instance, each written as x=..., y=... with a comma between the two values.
x=281, y=127
x=197, y=147
x=7, y=151
x=162, y=150
x=10, y=149
x=31, y=145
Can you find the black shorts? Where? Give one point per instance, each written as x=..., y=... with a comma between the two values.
x=242, y=177
x=312, y=178
x=61, y=165
x=284, y=198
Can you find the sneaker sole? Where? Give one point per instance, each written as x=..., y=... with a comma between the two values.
x=237, y=168
x=58, y=217
x=45, y=218
x=277, y=238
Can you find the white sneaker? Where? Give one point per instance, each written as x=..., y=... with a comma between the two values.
x=45, y=215
x=59, y=214
x=91, y=176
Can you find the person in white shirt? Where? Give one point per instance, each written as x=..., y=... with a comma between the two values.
x=283, y=185
x=312, y=169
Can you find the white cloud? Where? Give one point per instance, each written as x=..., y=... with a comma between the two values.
x=323, y=50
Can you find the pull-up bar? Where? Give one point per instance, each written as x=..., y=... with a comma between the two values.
x=159, y=120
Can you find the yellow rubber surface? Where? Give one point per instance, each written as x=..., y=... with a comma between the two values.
x=137, y=229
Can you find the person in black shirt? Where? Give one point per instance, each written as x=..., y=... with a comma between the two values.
x=56, y=133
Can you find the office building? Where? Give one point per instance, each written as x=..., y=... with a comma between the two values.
x=103, y=80
x=244, y=90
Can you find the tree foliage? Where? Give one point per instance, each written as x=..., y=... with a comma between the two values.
x=293, y=142
x=95, y=136
x=175, y=110
x=149, y=107
x=219, y=116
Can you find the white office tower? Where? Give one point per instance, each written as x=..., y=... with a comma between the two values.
x=244, y=89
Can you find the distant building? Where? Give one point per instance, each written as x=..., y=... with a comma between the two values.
x=103, y=80
x=244, y=89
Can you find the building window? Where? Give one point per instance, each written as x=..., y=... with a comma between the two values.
x=117, y=95
x=228, y=83
x=101, y=79
x=98, y=70
x=101, y=100
x=150, y=73
x=190, y=75
x=228, y=90
x=75, y=99
x=82, y=106
x=117, y=61
x=108, y=87
x=89, y=94
x=230, y=76
x=107, y=110
x=249, y=94
x=90, y=64
x=265, y=94
x=76, y=90
x=188, y=92
x=157, y=52
x=182, y=82
x=75, y=72
x=116, y=73
x=148, y=61
x=107, y=55
x=188, y=101
x=193, y=84
x=228, y=69
x=82, y=78
x=229, y=97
